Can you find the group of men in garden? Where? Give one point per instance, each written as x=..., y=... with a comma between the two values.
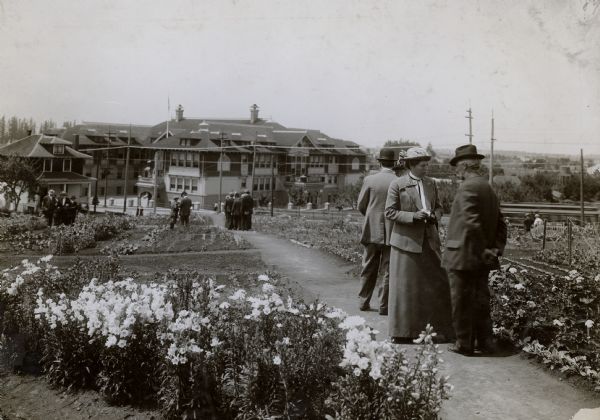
x=238, y=210
x=181, y=209
x=400, y=238
x=60, y=210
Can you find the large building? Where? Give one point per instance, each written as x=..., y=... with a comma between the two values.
x=209, y=157
x=58, y=161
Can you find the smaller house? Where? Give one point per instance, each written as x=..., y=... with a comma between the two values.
x=60, y=165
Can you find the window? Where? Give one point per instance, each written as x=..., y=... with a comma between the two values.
x=244, y=183
x=172, y=183
x=66, y=165
x=47, y=165
x=194, y=184
x=119, y=174
x=119, y=190
x=188, y=159
x=179, y=184
x=184, y=142
x=224, y=166
x=355, y=164
x=86, y=191
x=181, y=159
x=58, y=149
x=173, y=159
x=88, y=173
x=195, y=159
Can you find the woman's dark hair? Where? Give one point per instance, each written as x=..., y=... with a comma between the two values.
x=412, y=162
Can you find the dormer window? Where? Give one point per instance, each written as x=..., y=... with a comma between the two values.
x=58, y=149
x=184, y=142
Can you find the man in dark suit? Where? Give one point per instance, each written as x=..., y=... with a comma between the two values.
x=63, y=209
x=228, y=208
x=49, y=203
x=185, y=208
x=376, y=232
x=247, y=210
x=236, y=211
x=475, y=239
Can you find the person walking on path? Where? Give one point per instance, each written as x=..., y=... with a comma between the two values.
x=236, y=211
x=185, y=208
x=476, y=238
x=376, y=231
x=228, y=210
x=49, y=203
x=247, y=210
x=419, y=289
x=174, y=212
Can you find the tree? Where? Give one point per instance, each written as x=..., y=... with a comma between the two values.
x=430, y=150
x=401, y=143
x=17, y=175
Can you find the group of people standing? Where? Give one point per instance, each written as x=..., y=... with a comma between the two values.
x=181, y=209
x=238, y=210
x=400, y=235
x=60, y=210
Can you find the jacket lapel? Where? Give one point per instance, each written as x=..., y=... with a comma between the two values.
x=413, y=191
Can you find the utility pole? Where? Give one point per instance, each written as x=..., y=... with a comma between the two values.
x=470, y=118
x=222, y=137
x=581, y=192
x=126, y=172
x=106, y=171
x=253, y=166
x=492, y=139
x=155, y=179
x=272, y=181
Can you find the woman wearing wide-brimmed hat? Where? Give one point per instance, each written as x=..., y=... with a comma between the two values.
x=419, y=291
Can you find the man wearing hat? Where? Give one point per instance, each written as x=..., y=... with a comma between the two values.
x=475, y=239
x=228, y=210
x=63, y=209
x=247, y=210
x=376, y=232
x=49, y=204
x=185, y=209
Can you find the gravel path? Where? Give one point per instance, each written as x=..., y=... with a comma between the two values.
x=490, y=388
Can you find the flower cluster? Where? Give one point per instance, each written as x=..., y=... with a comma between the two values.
x=108, y=311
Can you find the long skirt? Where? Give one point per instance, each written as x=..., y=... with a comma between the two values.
x=419, y=294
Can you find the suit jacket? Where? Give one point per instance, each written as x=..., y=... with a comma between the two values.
x=476, y=223
x=236, y=208
x=49, y=204
x=185, y=206
x=228, y=204
x=371, y=203
x=403, y=201
x=247, y=204
x=63, y=203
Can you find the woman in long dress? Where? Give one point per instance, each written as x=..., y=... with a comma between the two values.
x=419, y=288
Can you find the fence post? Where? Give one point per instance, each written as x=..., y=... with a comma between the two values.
x=544, y=237
x=569, y=239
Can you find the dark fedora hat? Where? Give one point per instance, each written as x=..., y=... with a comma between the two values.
x=468, y=151
x=386, y=154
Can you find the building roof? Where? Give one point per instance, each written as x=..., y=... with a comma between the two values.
x=33, y=147
x=95, y=133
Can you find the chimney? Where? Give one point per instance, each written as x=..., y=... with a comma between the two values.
x=179, y=113
x=253, y=114
x=76, y=142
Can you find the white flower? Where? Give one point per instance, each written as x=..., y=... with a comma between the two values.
x=263, y=277
x=277, y=360
x=589, y=323
x=224, y=305
x=240, y=294
x=512, y=270
x=268, y=288
x=46, y=258
x=352, y=322
x=557, y=323
x=215, y=342
x=286, y=341
x=519, y=286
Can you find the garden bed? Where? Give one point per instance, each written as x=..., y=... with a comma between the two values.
x=192, y=348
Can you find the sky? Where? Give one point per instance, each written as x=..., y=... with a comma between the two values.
x=366, y=71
